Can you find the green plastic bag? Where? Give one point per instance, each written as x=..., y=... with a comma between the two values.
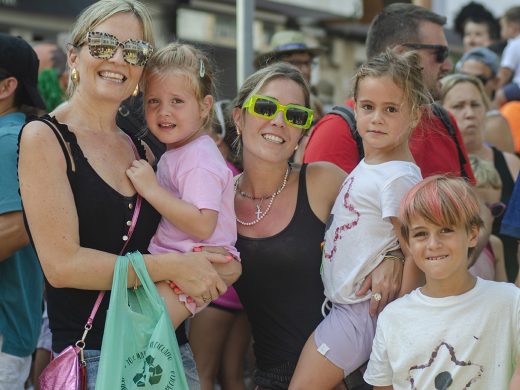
x=139, y=349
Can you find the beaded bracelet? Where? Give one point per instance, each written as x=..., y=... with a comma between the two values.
x=393, y=257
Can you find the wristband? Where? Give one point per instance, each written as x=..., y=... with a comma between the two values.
x=391, y=256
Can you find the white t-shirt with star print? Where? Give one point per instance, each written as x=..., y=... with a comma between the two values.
x=466, y=341
x=359, y=230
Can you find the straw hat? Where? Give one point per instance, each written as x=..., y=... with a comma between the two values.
x=285, y=43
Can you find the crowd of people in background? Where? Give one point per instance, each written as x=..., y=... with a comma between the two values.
x=295, y=246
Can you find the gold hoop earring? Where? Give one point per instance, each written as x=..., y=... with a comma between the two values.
x=136, y=90
x=296, y=147
x=74, y=76
x=239, y=133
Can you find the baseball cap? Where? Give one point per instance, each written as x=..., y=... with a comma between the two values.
x=19, y=60
x=483, y=55
x=285, y=42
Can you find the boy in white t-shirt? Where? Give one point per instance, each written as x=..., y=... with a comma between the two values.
x=457, y=331
x=509, y=72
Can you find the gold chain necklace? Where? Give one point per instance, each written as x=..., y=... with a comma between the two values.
x=259, y=213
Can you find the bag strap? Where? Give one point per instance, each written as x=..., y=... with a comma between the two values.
x=442, y=114
x=81, y=343
x=348, y=116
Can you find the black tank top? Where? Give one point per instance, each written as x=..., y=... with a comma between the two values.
x=281, y=287
x=103, y=214
x=510, y=243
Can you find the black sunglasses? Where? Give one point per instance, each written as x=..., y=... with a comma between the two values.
x=441, y=51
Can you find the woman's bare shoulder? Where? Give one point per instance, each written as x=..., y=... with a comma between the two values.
x=325, y=172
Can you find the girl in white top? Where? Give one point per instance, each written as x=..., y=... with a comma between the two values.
x=457, y=331
x=389, y=97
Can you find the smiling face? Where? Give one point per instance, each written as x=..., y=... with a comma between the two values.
x=112, y=79
x=271, y=139
x=465, y=102
x=173, y=112
x=384, y=120
x=441, y=252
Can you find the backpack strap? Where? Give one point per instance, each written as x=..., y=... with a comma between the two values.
x=443, y=115
x=347, y=113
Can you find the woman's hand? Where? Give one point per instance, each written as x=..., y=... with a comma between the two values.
x=384, y=282
x=196, y=276
x=229, y=271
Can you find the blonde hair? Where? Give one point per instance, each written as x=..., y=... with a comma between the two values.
x=405, y=71
x=450, y=81
x=101, y=11
x=184, y=59
x=485, y=173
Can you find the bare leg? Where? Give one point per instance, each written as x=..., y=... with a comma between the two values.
x=232, y=366
x=176, y=309
x=315, y=371
x=209, y=331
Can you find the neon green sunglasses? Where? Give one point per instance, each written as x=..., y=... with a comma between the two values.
x=267, y=108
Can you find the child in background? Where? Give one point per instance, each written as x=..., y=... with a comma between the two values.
x=457, y=331
x=389, y=97
x=509, y=72
x=490, y=264
x=193, y=190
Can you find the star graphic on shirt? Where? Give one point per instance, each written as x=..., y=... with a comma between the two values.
x=350, y=211
x=444, y=362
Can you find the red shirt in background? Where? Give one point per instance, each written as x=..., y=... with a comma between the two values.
x=432, y=147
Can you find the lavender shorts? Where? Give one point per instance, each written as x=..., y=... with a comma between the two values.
x=345, y=335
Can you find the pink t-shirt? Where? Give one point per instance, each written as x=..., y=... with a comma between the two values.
x=198, y=174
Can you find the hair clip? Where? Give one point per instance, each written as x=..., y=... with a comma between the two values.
x=202, y=69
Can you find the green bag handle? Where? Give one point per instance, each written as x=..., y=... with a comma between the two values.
x=121, y=280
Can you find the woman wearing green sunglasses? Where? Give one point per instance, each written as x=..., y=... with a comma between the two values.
x=77, y=197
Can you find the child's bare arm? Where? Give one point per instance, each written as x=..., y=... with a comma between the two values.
x=199, y=224
x=176, y=309
x=413, y=277
x=505, y=75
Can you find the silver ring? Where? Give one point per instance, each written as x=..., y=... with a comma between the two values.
x=377, y=296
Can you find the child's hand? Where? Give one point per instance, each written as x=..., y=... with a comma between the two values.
x=142, y=176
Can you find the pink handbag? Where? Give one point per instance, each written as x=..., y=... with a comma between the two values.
x=68, y=370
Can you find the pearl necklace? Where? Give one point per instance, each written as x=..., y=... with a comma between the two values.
x=259, y=213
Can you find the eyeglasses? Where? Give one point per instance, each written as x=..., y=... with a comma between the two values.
x=267, y=108
x=104, y=46
x=441, y=51
x=496, y=209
